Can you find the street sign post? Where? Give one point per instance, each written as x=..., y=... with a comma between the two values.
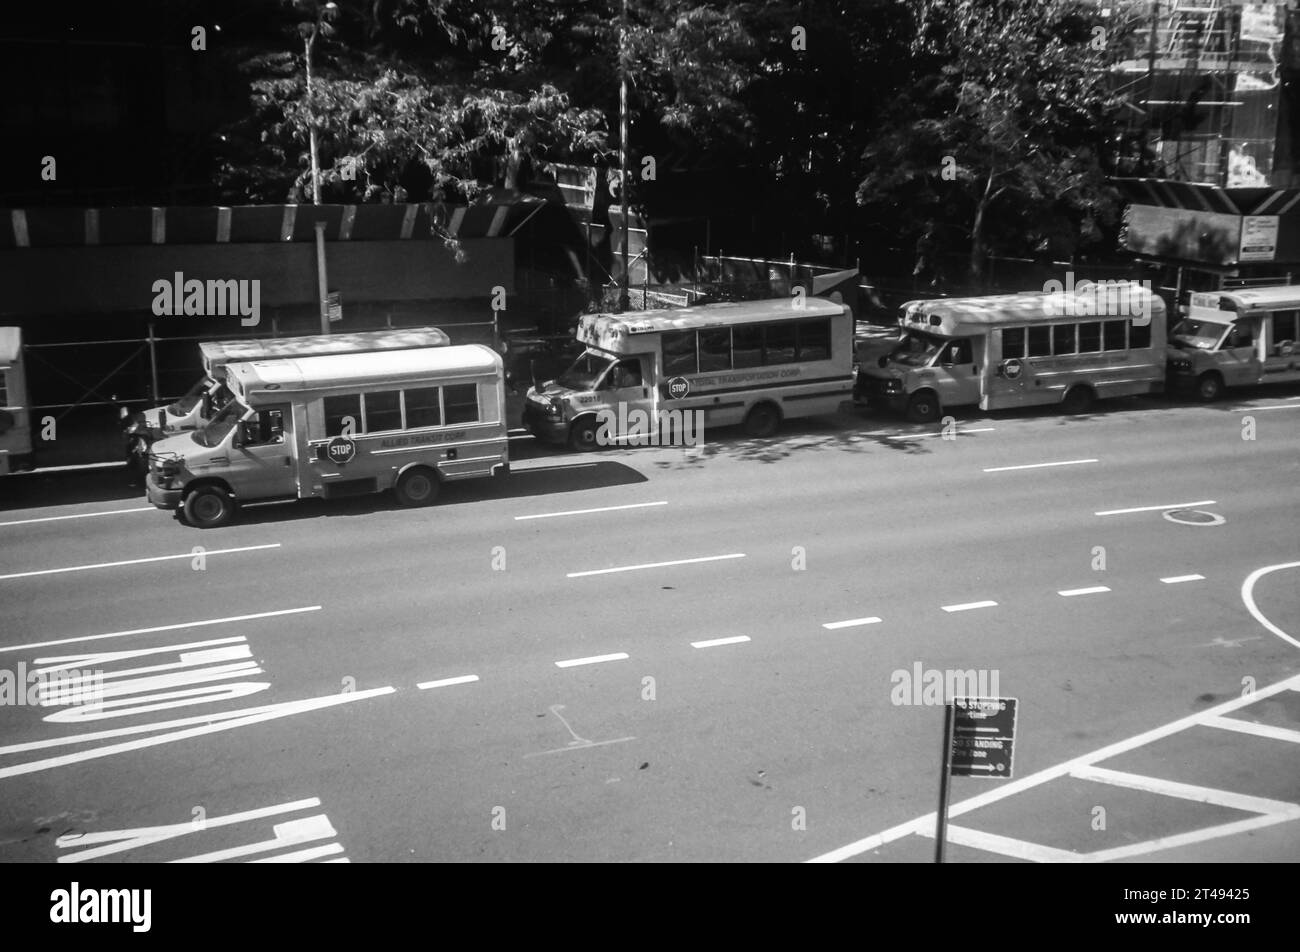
x=979, y=736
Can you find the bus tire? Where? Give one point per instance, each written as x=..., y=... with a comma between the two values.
x=762, y=420
x=1209, y=386
x=209, y=507
x=582, y=434
x=1077, y=400
x=418, y=486
x=923, y=407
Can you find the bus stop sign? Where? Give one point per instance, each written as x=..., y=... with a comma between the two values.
x=678, y=387
x=983, y=734
x=341, y=450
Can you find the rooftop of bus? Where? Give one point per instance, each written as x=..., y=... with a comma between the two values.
x=335, y=370
x=244, y=349
x=718, y=315
x=1025, y=306
x=1250, y=299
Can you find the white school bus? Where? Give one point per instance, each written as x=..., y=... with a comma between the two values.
x=1014, y=350
x=348, y=424
x=210, y=394
x=15, y=415
x=1236, y=339
x=754, y=363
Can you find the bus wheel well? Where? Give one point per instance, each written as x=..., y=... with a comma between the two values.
x=410, y=466
x=209, y=482
x=1078, y=398
x=763, y=418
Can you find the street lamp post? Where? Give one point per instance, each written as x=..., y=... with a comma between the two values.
x=623, y=299
x=311, y=31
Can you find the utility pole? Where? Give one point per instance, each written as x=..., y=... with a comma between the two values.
x=623, y=299
x=309, y=33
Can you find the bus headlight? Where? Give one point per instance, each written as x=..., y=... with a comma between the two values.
x=893, y=385
x=555, y=407
x=1182, y=365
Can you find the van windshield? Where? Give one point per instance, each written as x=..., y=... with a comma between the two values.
x=220, y=426
x=917, y=350
x=1197, y=334
x=192, y=396
x=584, y=373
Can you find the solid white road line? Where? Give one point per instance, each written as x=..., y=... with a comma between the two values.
x=923, y=823
x=594, y=659
x=1067, y=462
x=150, y=631
x=583, y=512
x=851, y=623
x=1175, y=579
x=1005, y=845
x=657, y=565
x=1248, y=596
x=1258, y=730
x=967, y=606
x=1170, y=505
x=714, y=642
x=446, y=682
x=302, y=856
x=156, y=558
x=918, y=436
x=1183, y=791
x=1280, y=406
x=80, y=515
x=1071, y=592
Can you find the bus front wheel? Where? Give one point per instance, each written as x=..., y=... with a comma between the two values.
x=1209, y=386
x=416, y=487
x=762, y=420
x=923, y=407
x=582, y=435
x=209, y=507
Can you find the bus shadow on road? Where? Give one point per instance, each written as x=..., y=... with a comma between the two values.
x=39, y=489
x=537, y=480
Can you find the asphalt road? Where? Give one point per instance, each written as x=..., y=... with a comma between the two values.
x=668, y=654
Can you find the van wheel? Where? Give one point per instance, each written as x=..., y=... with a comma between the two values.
x=416, y=487
x=923, y=407
x=582, y=435
x=209, y=507
x=1209, y=386
x=1077, y=400
x=762, y=420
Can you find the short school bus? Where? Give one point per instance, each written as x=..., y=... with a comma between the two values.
x=340, y=425
x=1236, y=339
x=1014, y=350
x=754, y=363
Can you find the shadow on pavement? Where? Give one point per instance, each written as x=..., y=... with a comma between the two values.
x=67, y=487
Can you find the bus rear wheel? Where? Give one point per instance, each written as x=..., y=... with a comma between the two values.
x=923, y=407
x=1077, y=400
x=1209, y=386
x=209, y=507
x=416, y=487
x=762, y=420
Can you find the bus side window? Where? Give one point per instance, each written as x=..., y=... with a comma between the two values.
x=1013, y=342
x=1139, y=336
x=1241, y=335
x=626, y=373
x=1040, y=341
x=1284, y=330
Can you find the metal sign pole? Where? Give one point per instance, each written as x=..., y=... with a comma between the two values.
x=941, y=821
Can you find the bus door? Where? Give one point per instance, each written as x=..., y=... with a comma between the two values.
x=1239, y=353
x=1281, y=354
x=262, y=465
x=957, y=376
x=629, y=386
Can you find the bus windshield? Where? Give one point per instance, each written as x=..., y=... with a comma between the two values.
x=220, y=426
x=584, y=373
x=186, y=403
x=917, y=350
x=1197, y=334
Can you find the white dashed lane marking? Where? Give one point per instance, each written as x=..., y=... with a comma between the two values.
x=656, y=565
x=851, y=623
x=447, y=682
x=1067, y=462
x=1175, y=579
x=715, y=642
x=80, y=515
x=1071, y=592
x=583, y=512
x=594, y=659
x=967, y=606
x=1163, y=506
x=156, y=558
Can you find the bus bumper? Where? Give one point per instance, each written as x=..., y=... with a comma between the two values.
x=544, y=427
x=160, y=497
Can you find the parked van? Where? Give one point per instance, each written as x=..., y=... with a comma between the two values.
x=15, y=417
x=209, y=395
x=1013, y=350
x=342, y=425
x=1236, y=339
x=751, y=362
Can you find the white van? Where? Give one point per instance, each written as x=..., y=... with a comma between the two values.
x=1014, y=350
x=750, y=362
x=343, y=425
x=15, y=417
x=210, y=394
